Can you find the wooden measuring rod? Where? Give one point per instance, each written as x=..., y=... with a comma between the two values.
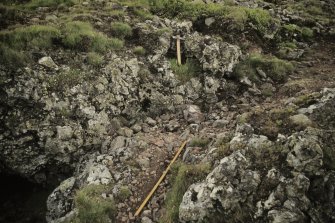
x=178, y=50
x=139, y=210
x=178, y=39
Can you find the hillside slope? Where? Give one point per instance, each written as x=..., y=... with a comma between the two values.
x=94, y=106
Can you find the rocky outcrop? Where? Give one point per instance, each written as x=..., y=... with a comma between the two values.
x=215, y=56
x=280, y=185
x=101, y=115
x=60, y=202
x=289, y=180
x=54, y=114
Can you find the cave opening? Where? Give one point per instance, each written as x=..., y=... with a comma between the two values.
x=21, y=200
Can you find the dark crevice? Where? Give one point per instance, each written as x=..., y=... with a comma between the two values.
x=21, y=200
x=194, y=196
x=146, y=103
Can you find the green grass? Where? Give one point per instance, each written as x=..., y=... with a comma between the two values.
x=74, y=35
x=65, y=79
x=83, y=37
x=275, y=68
x=307, y=33
x=95, y=59
x=199, y=142
x=92, y=207
x=162, y=31
x=116, y=12
x=135, y=4
x=124, y=193
x=307, y=99
x=8, y=13
x=290, y=45
x=182, y=177
x=33, y=4
x=261, y=18
x=239, y=16
x=13, y=43
x=116, y=43
x=139, y=50
x=295, y=31
x=285, y=48
x=121, y=30
x=34, y=36
x=12, y=58
x=48, y=3
x=185, y=72
x=143, y=14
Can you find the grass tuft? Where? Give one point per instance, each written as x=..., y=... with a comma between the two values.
x=185, y=72
x=34, y=36
x=12, y=58
x=124, y=193
x=182, y=177
x=199, y=142
x=238, y=15
x=275, y=68
x=66, y=79
x=48, y=3
x=92, y=207
x=139, y=50
x=293, y=31
x=121, y=30
x=81, y=36
x=143, y=14
x=95, y=59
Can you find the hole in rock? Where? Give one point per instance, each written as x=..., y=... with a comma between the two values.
x=194, y=197
x=146, y=103
x=21, y=200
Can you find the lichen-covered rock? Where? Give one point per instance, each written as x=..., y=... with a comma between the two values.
x=45, y=124
x=215, y=56
x=193, y=114
x=59, y=202
x=48, y=62
x=220, y=189
x=323, y=112
x=300, y=120
x=305, y=154
x=281, y=178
